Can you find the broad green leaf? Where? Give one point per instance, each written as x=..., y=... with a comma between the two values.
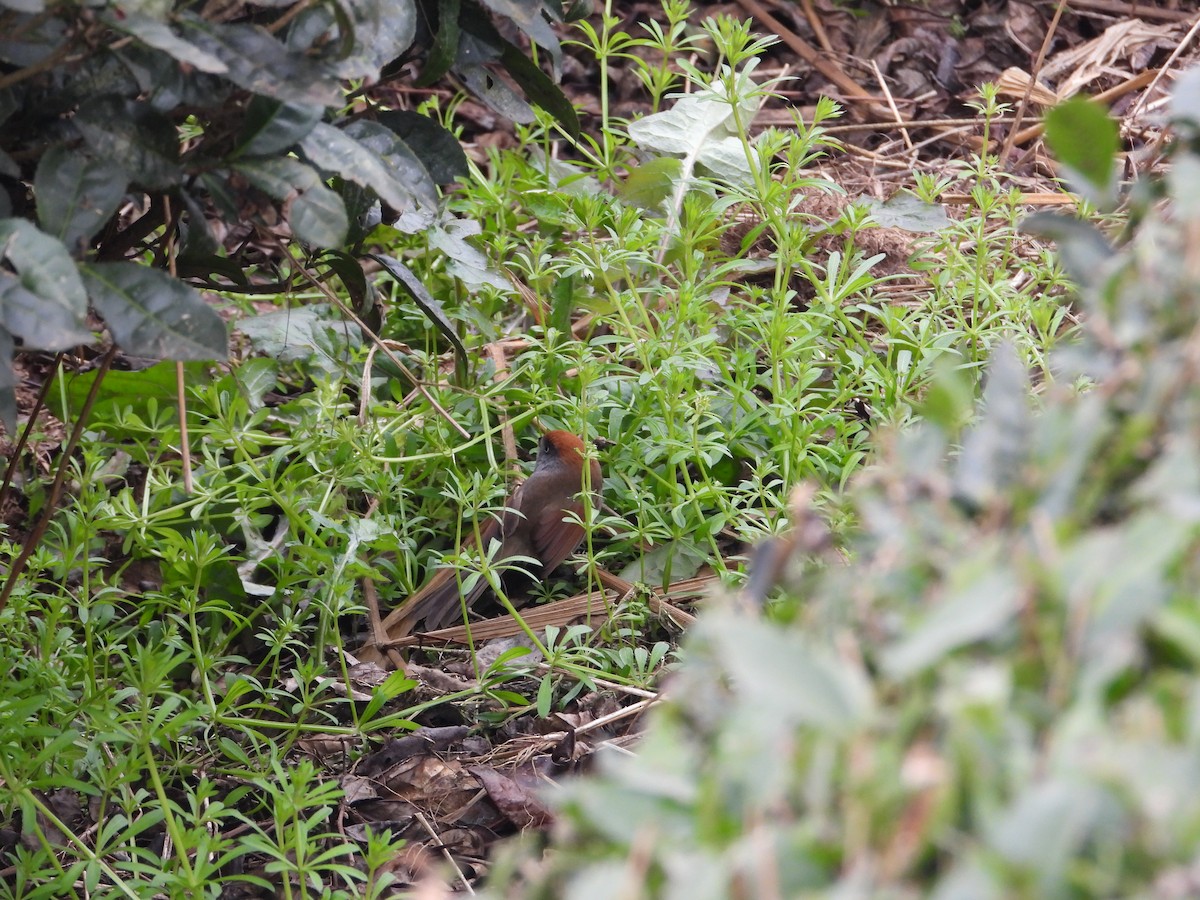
x=404, y=165
x=995, y=451
x=438, y=150
x=1085, y=139
x=467, y=263
x=313, y=334
x=496, y=93
x=134, y=136
x=272, y=126
x=138, y=391
x=76, y=194
x=259, y=63
x=154, y=315
x=649, y=185
x=1087, y=255
x=45, y=304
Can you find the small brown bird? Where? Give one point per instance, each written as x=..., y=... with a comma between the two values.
x=535, y=523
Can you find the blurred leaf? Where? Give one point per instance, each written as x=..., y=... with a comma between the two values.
x=1085, y=139
x=76, y=194
x=154, y=315
x=159, y=35
x=995, y=450
x=1088, y=257
x=540, y=89
x=527, y=15
x=496, y=94
x=45, y=304
x=778, y=670
x=648, y=186
x=8, y=383
x=980, y=602
x=383, y=30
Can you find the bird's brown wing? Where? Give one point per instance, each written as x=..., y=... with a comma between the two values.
x=553, y=538
x=437, y=603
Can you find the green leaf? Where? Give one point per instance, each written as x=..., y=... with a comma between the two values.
x=314, y=334
x=438, y=150
x=132, y=135
x=272, y=126
x=76, y=194
x=136, y=390
x=496, y=93
x=467, y=263
x=259, y=63
x=45, y=304
x=154, y=315
x=1085, y=139
x=649, y=185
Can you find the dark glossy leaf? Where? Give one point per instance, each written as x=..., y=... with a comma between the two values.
x=496, y=94
x=259, y=63
x=76, y=194
x=429, y=306
x=1084, y=138
x=540, y=89
x=8, y=166
x=197, y=239
x=158, y=34
x=403, y=164
x=315, y=212
x=45, y=303
x=8, y=383
x=154, y=315
x=442, y=53
x=143, y=142
x=335, y=151
x=466, y=262
x=167, y=84
x=350, y=271
x=383, y=30
x=527, y=15
x=272, y=126
x=438, y=150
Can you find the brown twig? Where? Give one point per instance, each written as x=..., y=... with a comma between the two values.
x=1010, y=139
x=10, y=469
x=35, y=537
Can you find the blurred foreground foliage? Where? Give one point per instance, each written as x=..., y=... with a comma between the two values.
x=998, y=694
